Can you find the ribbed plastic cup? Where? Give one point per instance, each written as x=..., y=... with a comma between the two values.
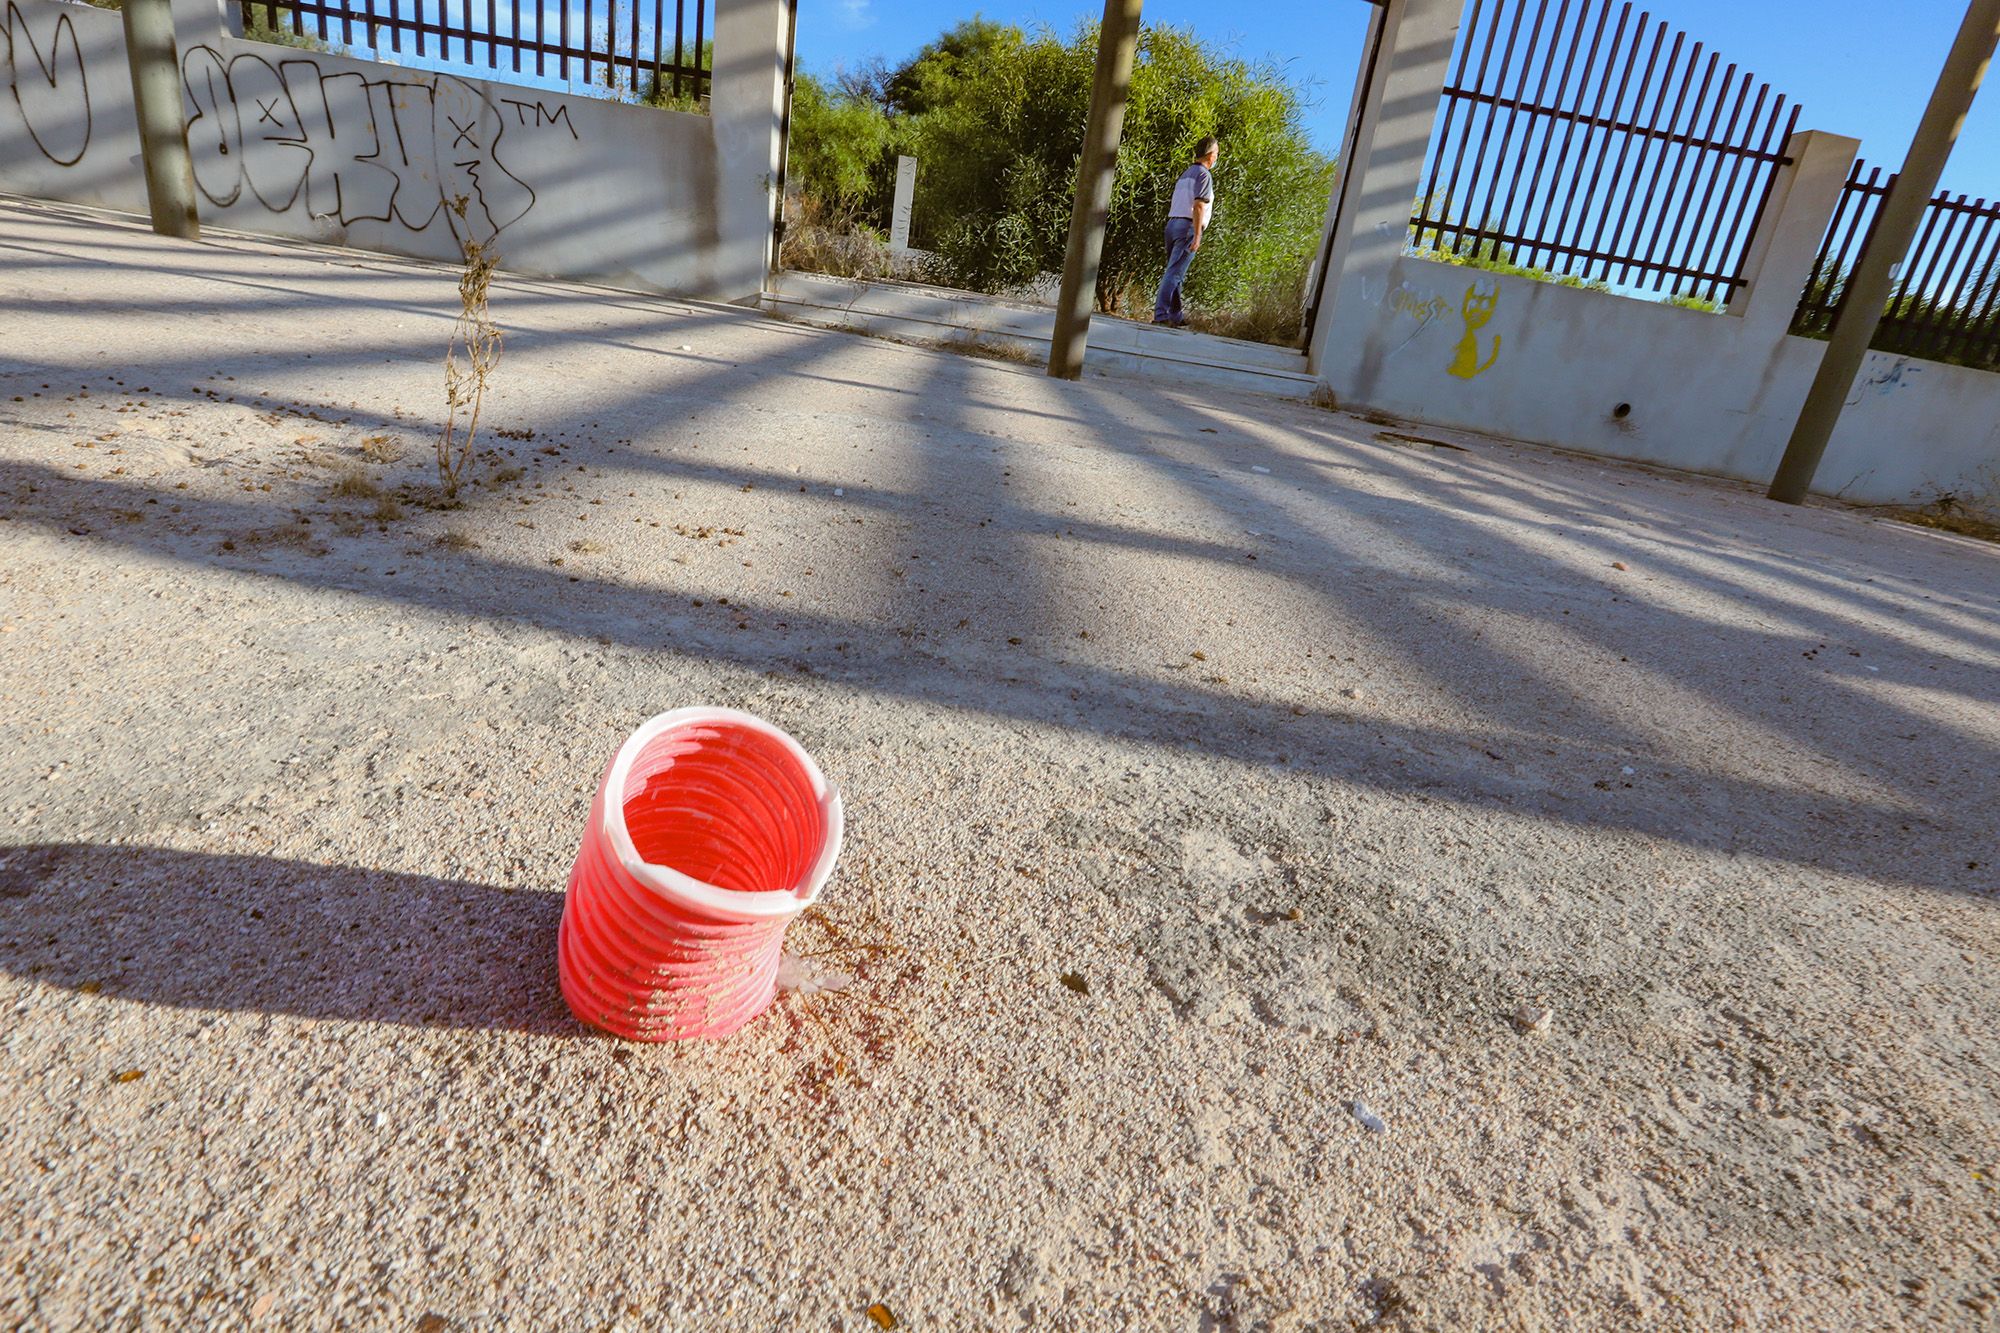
x=711, y=831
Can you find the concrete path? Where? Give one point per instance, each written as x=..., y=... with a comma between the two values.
x=1218, y=770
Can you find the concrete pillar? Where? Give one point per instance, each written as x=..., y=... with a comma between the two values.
x=1387, y=161
x=1781, y=253
x=746, y=107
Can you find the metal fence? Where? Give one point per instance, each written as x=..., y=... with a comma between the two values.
x=1593, y=143
x=651, y=48
x=1945, y=302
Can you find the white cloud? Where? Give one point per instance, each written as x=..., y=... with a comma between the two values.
x=857, y=14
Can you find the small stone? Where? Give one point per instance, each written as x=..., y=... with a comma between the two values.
x=381, y=1120
x=263, y=1305
x=1618, y=564
x=1533, y=1018
x=1076, y=982
x=1351, y=692
x=838, y=491
x=879, y=1314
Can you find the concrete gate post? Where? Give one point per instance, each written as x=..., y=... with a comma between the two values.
x=1782, y=250
x=1398, y=108
x=747, y=106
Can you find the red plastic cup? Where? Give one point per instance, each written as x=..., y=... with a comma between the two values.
x=711, y=831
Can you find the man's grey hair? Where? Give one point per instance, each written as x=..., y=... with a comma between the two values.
x=1209, y=143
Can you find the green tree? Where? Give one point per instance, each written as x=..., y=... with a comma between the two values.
x=996, y=118
x=839, y=143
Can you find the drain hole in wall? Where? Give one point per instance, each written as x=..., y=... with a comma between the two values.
x=1622, y=411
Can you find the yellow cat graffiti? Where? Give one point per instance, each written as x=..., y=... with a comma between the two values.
x=1476, y=309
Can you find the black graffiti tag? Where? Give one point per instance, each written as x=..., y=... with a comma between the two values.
x=357, y=149
x=53, y=88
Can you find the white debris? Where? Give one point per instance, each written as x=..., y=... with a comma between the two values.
x=381, y=1120
x=1371, y=1122
x=1628, y=770
x=1266, y=471
x=838, y=491
x=807, y=976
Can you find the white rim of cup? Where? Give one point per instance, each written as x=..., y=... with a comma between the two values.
x=710, y=899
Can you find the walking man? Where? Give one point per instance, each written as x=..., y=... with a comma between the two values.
x=1187, y=217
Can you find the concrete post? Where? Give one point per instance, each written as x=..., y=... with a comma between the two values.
x=906, y=196
x=1780, y=256
x=1390, y=140
x=746, y=110
x=1117, y=47
x=156, y=96
x=1895, y=227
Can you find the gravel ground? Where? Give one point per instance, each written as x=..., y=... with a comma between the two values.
x=1224, y=777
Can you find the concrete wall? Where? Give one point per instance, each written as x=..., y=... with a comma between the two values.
x=349, y=152
x=1711, y=393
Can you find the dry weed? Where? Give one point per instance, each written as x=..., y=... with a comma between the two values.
x=469, y=358
x=356, y=485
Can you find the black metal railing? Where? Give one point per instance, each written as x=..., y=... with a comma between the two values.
x=1944, y=304
x=1585, y=142
x=652, y=48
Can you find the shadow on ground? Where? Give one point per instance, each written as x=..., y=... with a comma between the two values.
x=257, y=934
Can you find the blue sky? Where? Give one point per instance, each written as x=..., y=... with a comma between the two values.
x=1860, y=67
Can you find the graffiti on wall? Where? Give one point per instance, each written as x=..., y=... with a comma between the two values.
x=46, y=79
x=1475, y=309
x=350, y=148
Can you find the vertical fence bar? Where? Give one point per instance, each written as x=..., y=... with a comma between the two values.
x=1572, y=251
x=1582, y=251
x=1648, y=131
x=1721, y=235
x=1944, y=305
x=1487, y=129
x=680, y=12
x=1625, y=140
x=1559, y=110
x=1706, y=224
x=1904, y=293
x=562, y=36
x=659, y=21
x=418, y=27
x=514, y=31
x=1427, y=203
x=1569, y=128
x=1986, y=343
x=1635, y=246
x=1471, y=110
x=1771, y=159
x=1541, y=106
x=700, y=7
x=1495, y=112
x=1514, y=114
x=632, y=52
x=1818, y=279
x=1664, y=256
x=1978, y=272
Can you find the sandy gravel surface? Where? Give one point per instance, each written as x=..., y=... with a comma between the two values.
x=1219, y=775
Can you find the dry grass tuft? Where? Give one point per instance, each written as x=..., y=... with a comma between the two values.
x=454, y=539
x=1946, y=515
x=585, y=546
x=978, y=345
x=388, y=511
x=381, y=449
x=357, y=485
